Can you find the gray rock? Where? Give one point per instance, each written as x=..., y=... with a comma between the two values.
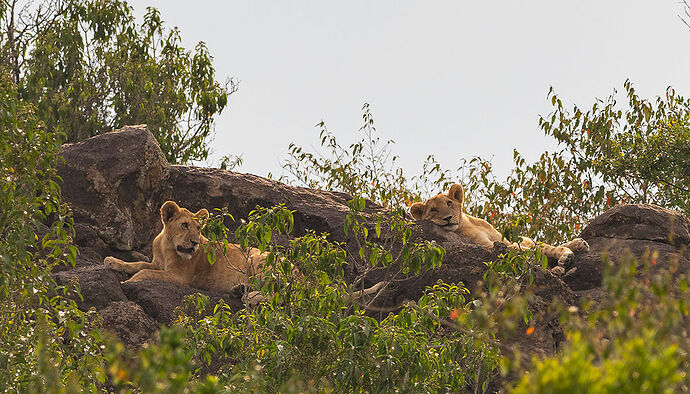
x=648, y=233
x=160, y=299
x=196, y=188
x=99, y=285
x=640, y=221
x=129, y=322
x=111, y=182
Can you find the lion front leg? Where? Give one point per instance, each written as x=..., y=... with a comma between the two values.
x=565, y=260
x=566, y=254
x=525, y=243
x=563, y=255
x=155, y=274
x=127, y=267
x=577, y=245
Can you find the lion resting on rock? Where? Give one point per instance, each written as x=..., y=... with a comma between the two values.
x=445, y=210
x=179, y=256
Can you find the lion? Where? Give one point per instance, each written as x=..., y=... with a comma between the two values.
x=180, y=257
x=446, y=211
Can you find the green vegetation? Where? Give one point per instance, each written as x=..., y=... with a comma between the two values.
x=641, y=155
x=311, y=333
x=75, y=68
x=634, y=341
x=89, y=68
x=47, y=342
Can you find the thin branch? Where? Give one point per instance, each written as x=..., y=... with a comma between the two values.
x=686, y=11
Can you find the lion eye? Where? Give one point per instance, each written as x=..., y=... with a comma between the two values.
x=450, y=203
x=185, y=225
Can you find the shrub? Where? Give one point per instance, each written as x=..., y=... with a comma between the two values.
x=635, y=340
x=310, y=333
x=47, y=343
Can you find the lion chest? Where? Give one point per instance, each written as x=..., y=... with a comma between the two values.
x=479, y=231
x=230, y=269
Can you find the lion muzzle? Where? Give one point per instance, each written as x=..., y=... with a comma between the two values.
x=186, y=253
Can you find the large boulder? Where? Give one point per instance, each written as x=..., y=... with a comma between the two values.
x=640, y=222
x=112, y=183
x=317, y=210
x=99, y=285
x=160, y=299
x=648, y=233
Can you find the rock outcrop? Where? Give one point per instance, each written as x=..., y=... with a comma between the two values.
x=116, y=182
x=646, y=232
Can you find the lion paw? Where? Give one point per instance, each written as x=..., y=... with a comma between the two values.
x=570, y=272
x=578, y=245
x=566, y=260
x=112, y=262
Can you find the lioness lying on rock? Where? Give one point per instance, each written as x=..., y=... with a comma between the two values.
x=179, y=257
x=446, y=211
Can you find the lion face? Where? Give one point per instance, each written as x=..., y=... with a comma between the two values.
x=444, y=210
x=183, y=228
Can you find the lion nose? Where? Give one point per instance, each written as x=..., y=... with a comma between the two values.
x=194, y=243
x=447, y=218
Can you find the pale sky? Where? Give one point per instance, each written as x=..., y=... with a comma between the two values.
x=455, y=79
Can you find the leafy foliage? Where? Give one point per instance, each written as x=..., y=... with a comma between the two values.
x=366, y=168
x=635, y=340
x=310, y=332
x=636, y=154
x=609, y=155
x=550, y=196
x=89, y=68
x=47, y=342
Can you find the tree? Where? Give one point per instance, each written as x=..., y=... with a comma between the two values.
x=636, y=154
x=89, y=68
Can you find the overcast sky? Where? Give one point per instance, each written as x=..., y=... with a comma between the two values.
x=455, y=79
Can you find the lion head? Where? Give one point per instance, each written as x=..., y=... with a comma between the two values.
x=182, y=228
x=444, y=210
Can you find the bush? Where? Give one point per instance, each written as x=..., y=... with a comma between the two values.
x=309, y=332
x=635, y=340
x=47, y=342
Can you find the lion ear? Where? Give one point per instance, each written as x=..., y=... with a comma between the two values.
x=417, y=210
x=456, y=193
x=168, y=211
x=202, y=215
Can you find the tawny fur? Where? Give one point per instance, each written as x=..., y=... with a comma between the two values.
x=179, y=256
x=446, y=211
